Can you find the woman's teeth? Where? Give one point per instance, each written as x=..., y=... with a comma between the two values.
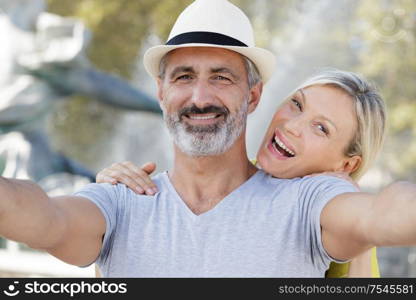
x=283, y=146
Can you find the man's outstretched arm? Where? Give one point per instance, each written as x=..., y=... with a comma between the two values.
x=68, y=227
x=354, y=222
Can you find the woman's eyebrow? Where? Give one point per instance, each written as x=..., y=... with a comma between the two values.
x=330, y=122
x=302, y=94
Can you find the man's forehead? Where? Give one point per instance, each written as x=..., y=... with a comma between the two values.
x=215, y=57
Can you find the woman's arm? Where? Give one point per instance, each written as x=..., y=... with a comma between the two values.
x=355, y=222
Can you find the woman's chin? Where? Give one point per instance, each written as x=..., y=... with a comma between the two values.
x=285, y=174
x=280, y=174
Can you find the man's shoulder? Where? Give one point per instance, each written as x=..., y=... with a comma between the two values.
x=268, y=181
x=325, y=181
x=100, y=188
x=105, y=192
x=264, y=183
x=118, y=188
x=159, y=178
x=300, y=185
x=318, y=190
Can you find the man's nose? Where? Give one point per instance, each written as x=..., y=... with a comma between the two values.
x=294, y=125
x=202, y=94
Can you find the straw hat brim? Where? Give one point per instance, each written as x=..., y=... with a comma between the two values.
x=263, y=59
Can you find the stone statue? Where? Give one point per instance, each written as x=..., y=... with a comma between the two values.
x=43, y=60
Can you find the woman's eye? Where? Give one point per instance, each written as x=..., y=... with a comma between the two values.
x=323, y=129
x=297, y=103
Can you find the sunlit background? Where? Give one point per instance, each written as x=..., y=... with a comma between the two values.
x=373, y=37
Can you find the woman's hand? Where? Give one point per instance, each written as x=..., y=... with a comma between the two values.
x=128, y=173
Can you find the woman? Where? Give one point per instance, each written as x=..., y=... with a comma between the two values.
x=320, y=141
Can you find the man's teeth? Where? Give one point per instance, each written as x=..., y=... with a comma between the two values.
x=193, y=117
x=283, y=146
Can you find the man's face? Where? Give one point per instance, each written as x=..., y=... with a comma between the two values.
x=205, y=96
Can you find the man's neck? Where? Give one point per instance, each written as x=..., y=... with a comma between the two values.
x=202, y=182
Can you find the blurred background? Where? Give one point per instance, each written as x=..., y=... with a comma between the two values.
x=75, y=98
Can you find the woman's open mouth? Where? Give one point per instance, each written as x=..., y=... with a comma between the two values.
x=280, y=149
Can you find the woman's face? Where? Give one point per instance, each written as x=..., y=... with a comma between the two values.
x=309, y=134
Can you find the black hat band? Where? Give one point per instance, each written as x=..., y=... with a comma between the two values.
x=205, y=37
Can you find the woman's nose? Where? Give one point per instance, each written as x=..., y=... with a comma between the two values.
x=294, y=126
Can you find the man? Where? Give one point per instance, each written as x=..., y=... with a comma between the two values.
x=215, y=214
x=209, y=135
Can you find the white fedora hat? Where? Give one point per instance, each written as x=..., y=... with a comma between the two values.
x=212, y=23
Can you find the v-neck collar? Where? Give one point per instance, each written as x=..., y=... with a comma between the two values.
x=214, y=209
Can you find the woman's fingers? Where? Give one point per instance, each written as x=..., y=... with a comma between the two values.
x=149, y=167
x=119, y=173
x=136, y=178
x=108, y=179
x=104, y=177
x=141, y=175
x=128, y=173
x=130, y=179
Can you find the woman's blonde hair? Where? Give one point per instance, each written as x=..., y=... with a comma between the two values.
x=370, y=110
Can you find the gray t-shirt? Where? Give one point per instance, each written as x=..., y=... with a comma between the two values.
x=267, y=227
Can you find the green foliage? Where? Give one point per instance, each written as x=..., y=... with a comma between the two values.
x=388, y=32
x=118, y=28
x=164, y=15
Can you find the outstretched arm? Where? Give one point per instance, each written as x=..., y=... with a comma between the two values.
x=68, y=227
x=355, y=222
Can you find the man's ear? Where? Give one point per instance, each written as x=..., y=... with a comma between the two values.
x=255, y=94
x=159, y=82
x=351, y=164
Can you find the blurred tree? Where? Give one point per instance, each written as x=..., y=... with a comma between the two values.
x=388, y=33
x=118, y=29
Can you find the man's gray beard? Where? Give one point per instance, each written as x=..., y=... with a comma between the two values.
x=207, y=140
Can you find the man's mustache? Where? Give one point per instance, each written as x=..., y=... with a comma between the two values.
x=205, y=110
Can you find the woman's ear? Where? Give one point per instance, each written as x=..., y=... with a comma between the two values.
x=351, y=164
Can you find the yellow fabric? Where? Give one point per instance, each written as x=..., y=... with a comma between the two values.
x=341, y=270
x=375, y=271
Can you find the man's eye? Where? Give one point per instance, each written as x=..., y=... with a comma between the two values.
x=184, y=77
x=222, y=78
x=297, y=103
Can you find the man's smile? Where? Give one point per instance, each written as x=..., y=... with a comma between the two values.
x=204, y=119
x=209, y=115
